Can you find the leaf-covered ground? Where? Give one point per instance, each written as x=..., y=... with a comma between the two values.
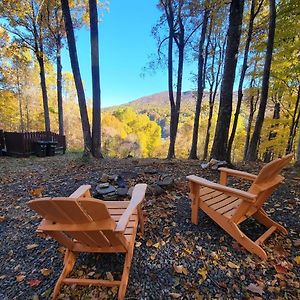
x=174, y=260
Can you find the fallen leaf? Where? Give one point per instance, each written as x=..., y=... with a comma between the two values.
x=109, y=276
x=149, y=243
x=255, y=289
x=175, y=295
x=203, y=273
x=20, y=278
x=281, y=269
x=37, y=192
x=156, y=245
x=297, y=259
x=31, y=246
x=46, y=272
x=34, y=282
x=180, y=269
x=2, y=219
x=138, y=244
x=232, y=265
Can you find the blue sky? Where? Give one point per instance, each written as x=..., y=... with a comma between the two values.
x=125, y=46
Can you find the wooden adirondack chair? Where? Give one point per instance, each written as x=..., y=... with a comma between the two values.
x=83, y=224
x=229, y=207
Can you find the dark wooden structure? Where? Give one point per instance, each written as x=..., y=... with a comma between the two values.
x=21, y=144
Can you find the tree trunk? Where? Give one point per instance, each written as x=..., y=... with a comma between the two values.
x=20, y=102
x=212, y=96
x=171, y=150
x=253, y=146
x=269, y=154
x=59, y=86
x=294, y=125
x=40, y=59
x=200, y=87
x=298, y=150
x=77, y=77
x=234, y=33
x=250, y=120
x=241, y=82
x=96, y=126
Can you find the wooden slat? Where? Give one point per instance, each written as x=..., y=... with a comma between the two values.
x=116, y=204
x=216, y=199
x=232, y=205
x=96, y=282
x=205, y=191
x=223, y=203
x=211, y=195
x=261, y=239
x=83, y=237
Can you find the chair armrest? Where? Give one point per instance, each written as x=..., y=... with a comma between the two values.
x=82, y=192
x=219, y=187
x=138, y=195
x=225, y=172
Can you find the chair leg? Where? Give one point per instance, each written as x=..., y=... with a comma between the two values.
x=195, y=212
x=246, y=242
x=69, y=261
x=263, y=218
x=125, y=275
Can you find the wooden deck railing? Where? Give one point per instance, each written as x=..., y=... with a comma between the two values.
x=22, y=144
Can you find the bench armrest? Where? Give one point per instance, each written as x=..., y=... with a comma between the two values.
x=82, y=192
x=138, y=195
x=219, y=187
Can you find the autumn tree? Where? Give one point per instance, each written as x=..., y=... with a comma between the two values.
x=87, y=138
x=96, y=125
x=25, y=23
x=200, y=82
x=253, y=146
x=225, y=109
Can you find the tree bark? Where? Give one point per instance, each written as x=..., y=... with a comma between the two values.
x=170, y=17
x=96, y=126
x=20, y=102
x=234, y=33
x=212, y=95
x=40, y=59
x=77, y=77
x=294, y=125
x=250, y=120
x=253, y=146
x=241, y=82
x=59, y=85
x=200, y=87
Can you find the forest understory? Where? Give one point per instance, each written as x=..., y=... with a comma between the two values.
x=173, y=260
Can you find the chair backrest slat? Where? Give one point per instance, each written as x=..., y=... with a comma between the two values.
x=65, y=212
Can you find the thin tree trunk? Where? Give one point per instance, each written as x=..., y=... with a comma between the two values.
x=20, y=102
x=77, y=77
x=234, y=33
x=27, y=114
x=212, y=97
x=59, y=85
x=298, y=150
x=171, y=150
x=200, y=86
x=241, y=82
x=294, y=125
x=39, y=52
x=40, y=59
x=96, y=126
x=253, y=146
x=250, y=120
